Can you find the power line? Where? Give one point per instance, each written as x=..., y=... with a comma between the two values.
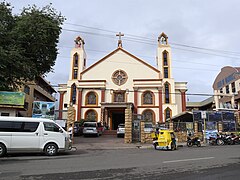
x=155, y=67
x=149, y=43
x=153, y=40
x=145, y=42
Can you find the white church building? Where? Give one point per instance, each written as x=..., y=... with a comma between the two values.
x=103, y=91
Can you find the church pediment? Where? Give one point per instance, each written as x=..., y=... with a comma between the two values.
x=120, y=50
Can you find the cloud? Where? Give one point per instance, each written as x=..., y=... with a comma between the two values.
x=205, y=24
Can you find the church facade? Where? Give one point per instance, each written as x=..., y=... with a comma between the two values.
x=103, y=91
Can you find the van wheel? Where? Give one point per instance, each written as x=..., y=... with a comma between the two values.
x=3, y=150
x=51, y=149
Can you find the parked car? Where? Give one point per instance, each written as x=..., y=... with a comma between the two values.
x=148, y=127
x=78, y=129
x=121, y=130
x=91, y=128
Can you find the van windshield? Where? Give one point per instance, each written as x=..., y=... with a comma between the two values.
x=89, y=125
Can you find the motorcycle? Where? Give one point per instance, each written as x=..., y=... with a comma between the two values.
x=212, y=141
x=193, y=141
x=223, y=139
x=234, y=139
x=217, y=140
x=227, y=139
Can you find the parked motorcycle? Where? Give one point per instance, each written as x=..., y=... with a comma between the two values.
x=219, y=140
x=224, y=139
x=234, y=139
x=227, y=139
x=212, y=141
x=193, y=141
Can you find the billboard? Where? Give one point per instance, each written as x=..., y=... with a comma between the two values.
x=215, y=116
x=43, y=109
x=12, y=98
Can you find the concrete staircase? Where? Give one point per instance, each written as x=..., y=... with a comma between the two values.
x=110, y=132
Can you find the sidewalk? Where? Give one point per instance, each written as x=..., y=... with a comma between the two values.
x=112, y=142
x=105, y=142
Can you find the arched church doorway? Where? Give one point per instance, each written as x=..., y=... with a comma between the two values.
x=113, y=114
x=117, y=118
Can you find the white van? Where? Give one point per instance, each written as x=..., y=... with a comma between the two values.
x=22, y=134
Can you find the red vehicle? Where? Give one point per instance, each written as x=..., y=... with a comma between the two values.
x=100, y=128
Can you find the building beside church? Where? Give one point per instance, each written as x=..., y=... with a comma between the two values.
x=226, y=88
x=21, y=102
x=103, y=91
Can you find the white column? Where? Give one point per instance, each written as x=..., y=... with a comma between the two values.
x=216, y=99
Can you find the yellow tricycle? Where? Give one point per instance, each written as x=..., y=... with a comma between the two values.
x=164, y=139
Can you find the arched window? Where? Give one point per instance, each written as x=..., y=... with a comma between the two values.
x=75, y=60
x=165, y=58
x=148, y=97
x=91, y=98
x=73, y=94
x=149, y=116
x=167, y=93
x=168, y=113
x=91, y=115
x=165, y=75
x=75, y=73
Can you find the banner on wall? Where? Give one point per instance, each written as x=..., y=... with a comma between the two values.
x=43, y=109
x=12, y=98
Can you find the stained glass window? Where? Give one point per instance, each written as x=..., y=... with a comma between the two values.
x=165, y=72
x=119, y=97
x=148, y=116
x=148, y=98
x=74, y=94
x=119, y=77
x=91, y=115
x=167, y=113
x=167, y=98
x=165, y=58
x=76, y=60
x=91, y=98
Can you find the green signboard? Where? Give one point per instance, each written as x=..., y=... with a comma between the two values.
x=12, y=98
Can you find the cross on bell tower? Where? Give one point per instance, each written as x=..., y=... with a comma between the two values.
x=119, y=40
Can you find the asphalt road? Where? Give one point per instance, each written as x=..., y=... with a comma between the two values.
x=211, y=162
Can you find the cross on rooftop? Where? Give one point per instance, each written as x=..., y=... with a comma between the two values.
x=119, y=40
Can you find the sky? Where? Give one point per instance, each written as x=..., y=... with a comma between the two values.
x=203, y=35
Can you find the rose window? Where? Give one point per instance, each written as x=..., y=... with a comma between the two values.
x=119, y=77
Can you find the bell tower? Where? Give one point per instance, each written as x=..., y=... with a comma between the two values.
x=78, y=59
x=164, y=65
x=164, y=62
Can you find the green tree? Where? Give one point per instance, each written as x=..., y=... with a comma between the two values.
x=28, y=43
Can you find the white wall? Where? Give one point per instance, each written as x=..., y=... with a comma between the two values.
x=12, y=112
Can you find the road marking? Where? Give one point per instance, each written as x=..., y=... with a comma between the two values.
x=182, y=160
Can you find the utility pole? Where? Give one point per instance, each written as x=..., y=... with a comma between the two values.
x=204, y=116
